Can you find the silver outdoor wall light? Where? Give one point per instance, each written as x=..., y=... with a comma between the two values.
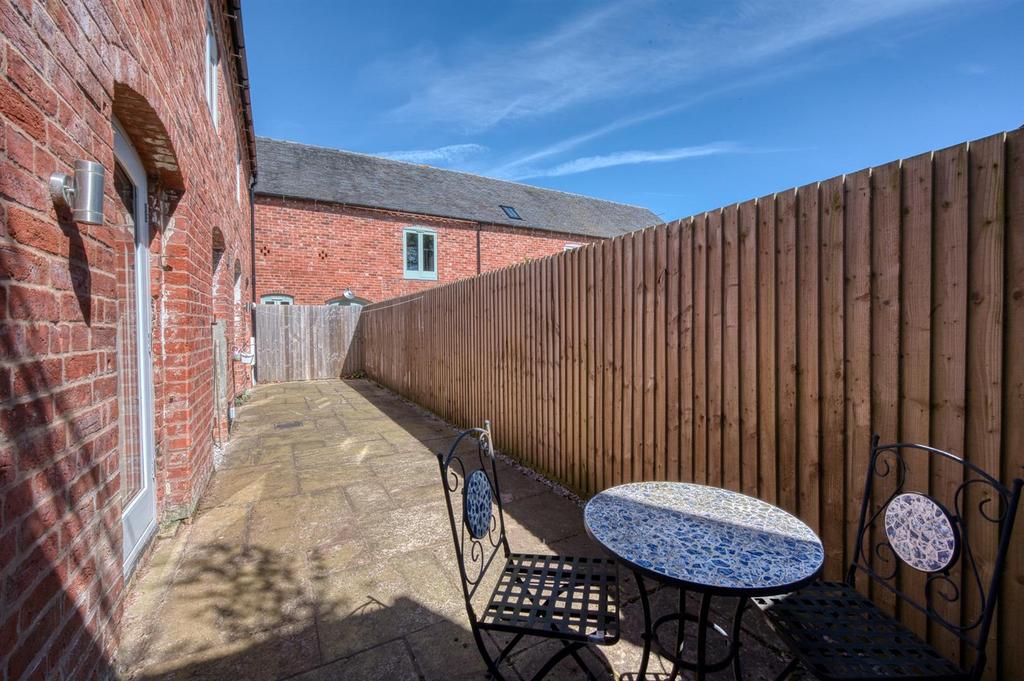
x=81, y=193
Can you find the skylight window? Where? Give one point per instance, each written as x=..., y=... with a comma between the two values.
x=511, y=212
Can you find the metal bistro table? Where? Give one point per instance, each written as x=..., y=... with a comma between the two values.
x=703, y=539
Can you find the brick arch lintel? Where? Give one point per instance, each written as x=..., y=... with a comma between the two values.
x=149, y=136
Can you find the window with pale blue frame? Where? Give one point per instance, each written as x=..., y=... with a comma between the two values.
x=419, y=253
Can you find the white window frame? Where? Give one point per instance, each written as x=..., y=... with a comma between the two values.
x=572, y=247
x=211, y=66
x=277, y=299
x=419, y=273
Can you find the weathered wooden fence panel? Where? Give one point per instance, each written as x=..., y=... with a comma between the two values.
x=306, y=342
x=758, y=347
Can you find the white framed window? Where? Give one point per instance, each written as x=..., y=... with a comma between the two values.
x=212, y=62
x=572, y=247
x=277, y=299
x=419, y=253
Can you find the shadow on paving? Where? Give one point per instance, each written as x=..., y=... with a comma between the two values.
x=322, y=551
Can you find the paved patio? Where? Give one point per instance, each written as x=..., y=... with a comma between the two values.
x=322, y=551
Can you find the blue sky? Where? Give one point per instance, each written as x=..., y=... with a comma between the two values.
x=677, y=106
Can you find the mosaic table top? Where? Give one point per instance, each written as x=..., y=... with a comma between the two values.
x=705, y=537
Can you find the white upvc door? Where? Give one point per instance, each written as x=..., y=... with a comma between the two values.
x=135, y=358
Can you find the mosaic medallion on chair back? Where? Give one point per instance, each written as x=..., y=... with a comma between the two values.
x=921, y=532
x=477, y=504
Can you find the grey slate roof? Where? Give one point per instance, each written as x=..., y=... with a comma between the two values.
x=307, y=172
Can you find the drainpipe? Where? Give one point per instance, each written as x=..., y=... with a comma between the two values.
x=478, y=225
x=252, y=263
x=234, y=15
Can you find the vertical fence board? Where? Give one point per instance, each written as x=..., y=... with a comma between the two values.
x=579, y=472
x=949, y=310
x=608, y=363
x=884, y=195
x=732, y=457
x=659, y=383
x=786, y=254
x=911, y=198
x=857, y=331
x=593, y=384
x=617, y=371
x=649, y=349
x=833, y=375
x=808, y=353
x=700, y=350
x=714, y=350
x=984, y=370
x=639, y=377
x=767, y=351
x=686, y=349
x=1011, y=624
x=673, y=406
x=748, y=332
x=628, y=372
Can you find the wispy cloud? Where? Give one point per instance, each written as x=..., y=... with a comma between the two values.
x=633, y=48
x=452, y=153
x=514, y=168
x=624, y=158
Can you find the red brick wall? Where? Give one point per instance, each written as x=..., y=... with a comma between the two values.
x=314, y=251
x=67, y=67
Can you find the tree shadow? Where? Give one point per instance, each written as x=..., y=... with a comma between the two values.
x=272, y=618
x=60, y=539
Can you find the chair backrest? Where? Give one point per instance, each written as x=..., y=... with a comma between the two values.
x=902, y=522
x=470, y=481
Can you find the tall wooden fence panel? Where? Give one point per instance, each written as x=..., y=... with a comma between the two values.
x=306, y=342
x=758, y=347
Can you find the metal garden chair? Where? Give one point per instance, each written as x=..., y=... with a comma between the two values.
x=572, y=599
x=837, y=633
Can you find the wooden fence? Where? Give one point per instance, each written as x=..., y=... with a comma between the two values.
x=306, y=342
x=758, y=347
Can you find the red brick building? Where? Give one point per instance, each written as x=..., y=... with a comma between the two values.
x=108, y=422
x=330, y=221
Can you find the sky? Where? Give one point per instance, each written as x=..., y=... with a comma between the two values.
x=677, y=106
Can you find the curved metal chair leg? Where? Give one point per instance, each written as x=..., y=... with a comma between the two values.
x=492, y=668
x=508, y=649
x=702, y=636
x=680, y=636
x=734, y=644
x=648, y=627
x=569, y=649
x=580, y=663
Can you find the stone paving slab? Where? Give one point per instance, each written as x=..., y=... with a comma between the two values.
x=321, y=550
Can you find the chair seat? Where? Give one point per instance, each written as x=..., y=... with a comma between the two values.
x=839, y=634
x=556, y=596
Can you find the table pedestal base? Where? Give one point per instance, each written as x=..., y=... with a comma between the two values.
x=701, y=665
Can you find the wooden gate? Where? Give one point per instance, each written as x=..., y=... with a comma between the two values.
x=306, y=342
